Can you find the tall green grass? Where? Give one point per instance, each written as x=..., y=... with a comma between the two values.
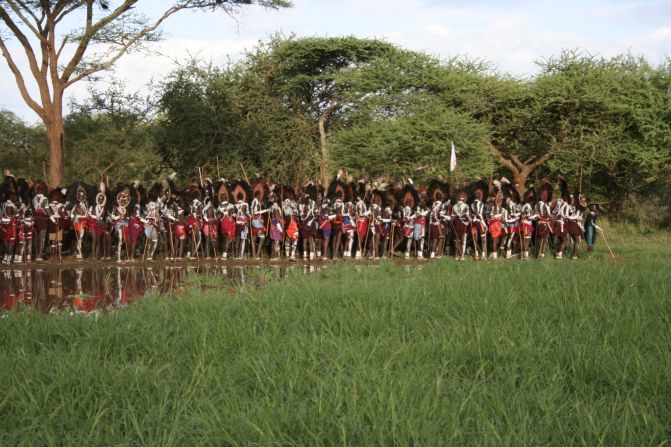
x=488, y=353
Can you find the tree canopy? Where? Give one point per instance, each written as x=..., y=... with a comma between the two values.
x=300, y=108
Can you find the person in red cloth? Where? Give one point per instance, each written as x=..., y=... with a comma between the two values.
x=180, y=231
x=543, y=218
x=276, y=229
x=292, y=232
x=227, y=211
x=308, y=226
x=135, y=229
x=79, y=216
x=9, y=230
x=436, y=229
x=242, y=222
x=258, y=226
x=210, y=228
x=194, y=229
x=40, y=222
x=362, y=213
x=526, y=229
x=497, y=215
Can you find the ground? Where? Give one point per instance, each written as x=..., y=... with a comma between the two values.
x=486, y=353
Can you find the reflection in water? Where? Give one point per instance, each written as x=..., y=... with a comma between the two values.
x=84, y=290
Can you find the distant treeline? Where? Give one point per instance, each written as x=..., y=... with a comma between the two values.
x=297, y=109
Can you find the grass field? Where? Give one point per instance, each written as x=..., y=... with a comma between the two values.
x=488, y=353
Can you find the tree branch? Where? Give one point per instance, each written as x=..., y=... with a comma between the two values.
x=32, y=14
x=24, y=19
x=60, y=14
x=30, y=54
x=540, y=161
x=499, y=157
x=20, y=82
x=25, y=43
x=517, y=161
x=121, y=51
x=90, y=32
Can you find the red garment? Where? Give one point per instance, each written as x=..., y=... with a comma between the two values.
x=228, y=227
x=292, y=229
x=25, y=232
x=527, y=227
x=41, y=219
x=560, y=228
x=574, y=228
x=85, y=305
x=362, y=227
x=135, y=228
x=210, y=228
x=436, y=230
x=381, y=229
x=9, y=231
x=407, y=230
x=180, y=230
x=194, y=224
x=495, y=227
x=544, y=226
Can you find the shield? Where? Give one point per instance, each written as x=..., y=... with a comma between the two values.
x=408, y=196
x=286, y=192
x=377, y=197
x=240, y=190
x=260, y=191
x=339, y=190
x=123, y=200
x=81, y=194
x=478, y=190
x=223, y=192
x=437, y=191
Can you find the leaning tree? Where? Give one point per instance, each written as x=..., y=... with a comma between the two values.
x=67, y=41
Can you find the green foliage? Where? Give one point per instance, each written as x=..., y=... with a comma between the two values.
x=109, y=135
x=444, y=354
x=612, y=117
x=23, y=148
x=405, y=110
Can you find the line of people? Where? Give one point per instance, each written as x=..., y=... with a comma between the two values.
x=348, y=220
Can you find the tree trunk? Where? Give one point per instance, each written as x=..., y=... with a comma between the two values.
x=55, y=135
x=325, y=168
x=520, y=170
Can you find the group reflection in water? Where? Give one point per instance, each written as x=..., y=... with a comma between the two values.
x=84, y=290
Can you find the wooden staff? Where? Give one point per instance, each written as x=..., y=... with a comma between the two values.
x=195, y=247
x=580, y=184
x=144, y=251
x=172, y=246
x=58, y=239
x=44, y=172
x=519, y=233
x=365, y=240
x=606, y=241
x=244, y=173
x=475, y=245
x=200, y=174
x=392, y=228
x=218, y=171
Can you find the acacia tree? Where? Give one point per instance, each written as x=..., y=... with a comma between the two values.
x=306, y=76
x=105, y=30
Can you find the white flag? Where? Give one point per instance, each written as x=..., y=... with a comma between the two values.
x=453, y=159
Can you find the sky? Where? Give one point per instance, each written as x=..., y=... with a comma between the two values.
x=510, y=34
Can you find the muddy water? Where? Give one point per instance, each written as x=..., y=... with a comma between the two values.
x=85, y=290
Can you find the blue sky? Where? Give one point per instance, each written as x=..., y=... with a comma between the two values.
x=510, y=34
